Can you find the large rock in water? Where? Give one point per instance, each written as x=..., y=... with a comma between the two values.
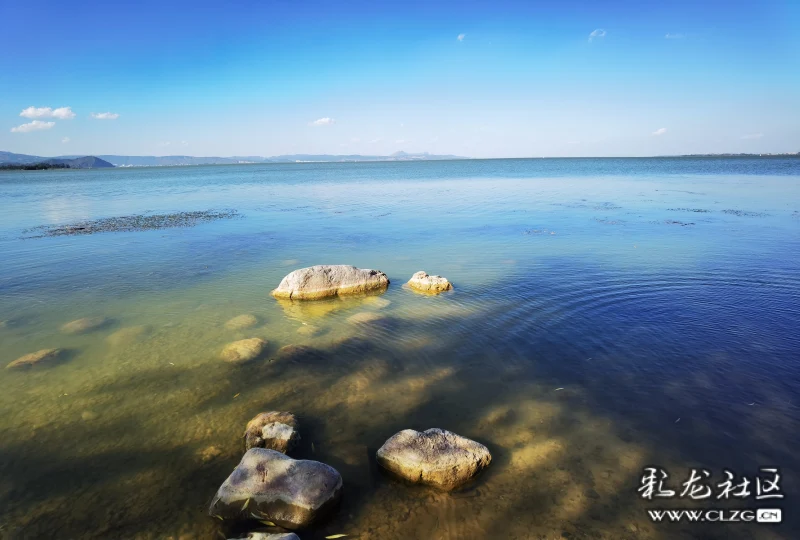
x=325, y=281
x=45, y=355
x=87, y=324
x=423, y=282
x=273, y=430
x=435, y=457
x=244, y=350
x=267, y=485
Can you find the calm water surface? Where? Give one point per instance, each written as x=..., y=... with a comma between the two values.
x=607, y=315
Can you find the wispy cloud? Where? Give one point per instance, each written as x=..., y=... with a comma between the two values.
x=401, y=141
x=184, y=143
x=461, y=37
x=752, y=136
x=660, y=131
x=373, y=141
x=105, y=115
x=355, y=140
x=165, y=143
x=62, y=113
x=36, y=125
x=65, y=140
x=322, y=122
x=674, y=36
x=599, y=33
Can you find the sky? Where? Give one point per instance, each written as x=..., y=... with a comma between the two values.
x=479, y=79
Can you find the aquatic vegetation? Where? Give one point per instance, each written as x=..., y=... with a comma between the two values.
x=139, y=222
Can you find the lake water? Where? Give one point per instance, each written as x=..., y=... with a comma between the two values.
x=608, y=315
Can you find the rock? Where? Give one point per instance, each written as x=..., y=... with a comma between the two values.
x=273, y=430
x=292, y=493
x=377, y=302
x=324, y=281
x=298, y=352
x=423, y=282
x=209, y=453
x=242, y=322
x=244, y=350
x=309, y=330
x=88, y=416
x=32, y=359
x=366, y=317
x=126, y=336
x=268, y=536
x=435, y=457
x=87, y=324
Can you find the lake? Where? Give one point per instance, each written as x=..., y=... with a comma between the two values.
x=607, y=315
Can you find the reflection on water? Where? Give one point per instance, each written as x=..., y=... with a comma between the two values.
x=578, y=357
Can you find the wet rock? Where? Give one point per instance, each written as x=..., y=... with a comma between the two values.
x=242, y=322
x=423, y=282
x=126, y=336
x=435, y=457
x=271, y=486
x=38, y=357
x=324, y=281
x=244, y=350
x=366, y=317
x=272, y=430
x=87, y=324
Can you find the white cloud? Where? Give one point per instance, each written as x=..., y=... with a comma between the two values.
x=62, y=113
x=184, y=143
x=461, y=37
x=105, y=115
x=355, y=140
x=165, y=143
x=674, y=36
x=373, y=141
x=36, y=125
x=401, y=141
x=65, y=140
x=752, y=136
x=323, y=122
x=660, y=131
x=599, y=33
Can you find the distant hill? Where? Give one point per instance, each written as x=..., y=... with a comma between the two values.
x=160, y=161
x=84, y=162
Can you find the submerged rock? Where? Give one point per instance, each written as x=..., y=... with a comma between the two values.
x=270, y=486
x=309, y=330
x=435, y=457
x=423, y=282
x=38, y=357
x=377, y=302
x=298, y=352
x=126, y=336
x=87, y=324
x=242, y=322
x=324, y=281
x=272, y=430
x=366, y=317
x=244, y=350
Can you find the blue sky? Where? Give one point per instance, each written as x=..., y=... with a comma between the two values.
x=482, y=79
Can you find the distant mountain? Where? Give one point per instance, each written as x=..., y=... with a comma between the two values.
x=72, y=162
x=87, y=162
x=161, y=161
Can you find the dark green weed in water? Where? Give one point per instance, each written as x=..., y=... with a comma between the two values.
x=138, y=222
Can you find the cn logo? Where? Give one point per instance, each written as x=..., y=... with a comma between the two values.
x=768, y=515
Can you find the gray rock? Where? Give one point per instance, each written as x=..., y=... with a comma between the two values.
x=435, y=457
x=423, y=282
x=325, y=281
x=38, y=357
x=270, y=486
x=244, y=350
x=87, y=324
x=273, y=430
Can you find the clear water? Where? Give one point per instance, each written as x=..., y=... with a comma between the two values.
x=597, y=326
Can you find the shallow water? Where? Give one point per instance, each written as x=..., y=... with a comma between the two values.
x=600, y=323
